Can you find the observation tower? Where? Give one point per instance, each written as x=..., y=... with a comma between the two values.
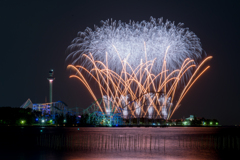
x=50, y=79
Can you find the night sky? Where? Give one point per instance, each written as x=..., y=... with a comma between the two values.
x=35, y=35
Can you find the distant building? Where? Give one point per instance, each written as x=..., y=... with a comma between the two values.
x=191, y=118
x=200, y=121
x=57, y=107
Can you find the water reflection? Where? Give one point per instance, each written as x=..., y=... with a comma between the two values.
x=128, y=143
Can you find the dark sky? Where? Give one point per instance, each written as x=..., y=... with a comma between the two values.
x=35, y=35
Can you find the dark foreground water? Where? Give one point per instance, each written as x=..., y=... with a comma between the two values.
x=73, y=143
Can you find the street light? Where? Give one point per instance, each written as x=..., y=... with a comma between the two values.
x=22, y=122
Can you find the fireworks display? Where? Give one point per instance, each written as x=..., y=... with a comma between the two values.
x=138, y=66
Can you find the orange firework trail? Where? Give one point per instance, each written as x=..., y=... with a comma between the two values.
x=138, y=92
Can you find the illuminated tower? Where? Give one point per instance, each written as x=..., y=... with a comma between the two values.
x=50, y=79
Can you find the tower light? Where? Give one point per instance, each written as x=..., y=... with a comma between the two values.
x=50, y=79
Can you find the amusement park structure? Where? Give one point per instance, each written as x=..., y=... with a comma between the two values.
x=49, y=109
x=109, y=118
x=53, y=108
x=114, y=115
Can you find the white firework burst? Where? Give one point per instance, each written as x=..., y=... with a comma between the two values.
x=135, y=42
